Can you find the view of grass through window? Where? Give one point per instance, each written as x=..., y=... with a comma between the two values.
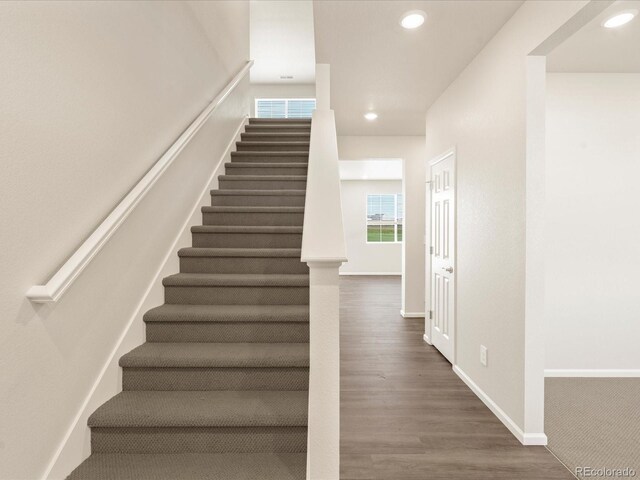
x=384, y=218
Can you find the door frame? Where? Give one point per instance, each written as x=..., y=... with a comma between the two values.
x=451, y=152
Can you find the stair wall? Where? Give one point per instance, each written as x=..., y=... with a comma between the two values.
x=75, y=445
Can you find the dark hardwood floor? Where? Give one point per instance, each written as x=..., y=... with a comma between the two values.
x=405, y=414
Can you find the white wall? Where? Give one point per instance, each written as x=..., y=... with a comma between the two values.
x=592, y=221
x=373, y=258
x=92, y=95
x=385, y=169
x=482, y=113
x=282, y=41
x=412, y=150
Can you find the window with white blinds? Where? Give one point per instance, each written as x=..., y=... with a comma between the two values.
x=285, y=107
x=385, y=217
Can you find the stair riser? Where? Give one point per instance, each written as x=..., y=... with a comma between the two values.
x=247, y=240
x=205, y=439
x=243, y=265
x=288, y=219
x=226, y=184
x=222, y=295
x=279, y=121
x=257, y=158
x=275, y=147
x=215, y=379
x=228, y=332
x=233, y=170
x=192, y=466
x=275, y=137
x=278, y=129
x=257, y=200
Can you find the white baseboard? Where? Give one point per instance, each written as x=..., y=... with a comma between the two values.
x=596, y=373
x=412, y=314
x=533, y=439
x=426, y=338
x=524, y=438
x=390, y=274
x=75, y=445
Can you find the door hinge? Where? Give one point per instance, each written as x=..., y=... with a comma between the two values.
x=430, y=314
x=430, y=250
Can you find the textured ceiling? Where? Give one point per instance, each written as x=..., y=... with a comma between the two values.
x=377, y=65
x=601, y=50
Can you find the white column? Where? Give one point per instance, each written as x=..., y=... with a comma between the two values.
x=534, y=339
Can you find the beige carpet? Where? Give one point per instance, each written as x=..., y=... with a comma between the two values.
x=594, y=422
x=220, y=388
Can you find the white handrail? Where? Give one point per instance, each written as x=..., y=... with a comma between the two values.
x=323, y=233
x=65, y=276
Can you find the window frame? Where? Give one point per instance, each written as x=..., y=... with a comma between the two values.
x=395, y=224
x=286, y=105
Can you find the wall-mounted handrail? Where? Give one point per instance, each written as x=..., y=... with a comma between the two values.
x=78, y=261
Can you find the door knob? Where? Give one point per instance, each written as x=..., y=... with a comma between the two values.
x=450, y=269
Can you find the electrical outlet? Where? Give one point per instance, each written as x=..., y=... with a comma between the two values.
x=483, y=355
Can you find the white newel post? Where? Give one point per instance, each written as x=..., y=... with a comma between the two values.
x=323, y=249
x=323, y=459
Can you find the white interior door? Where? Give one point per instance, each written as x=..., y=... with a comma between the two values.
x=443, y=234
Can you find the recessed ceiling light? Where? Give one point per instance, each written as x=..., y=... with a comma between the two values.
x=371, y=116
x=620, y=19
x=413, y=19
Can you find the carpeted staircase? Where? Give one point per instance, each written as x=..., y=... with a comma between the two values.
x=219, y=391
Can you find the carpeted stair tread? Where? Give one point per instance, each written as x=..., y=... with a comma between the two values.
x=263, y=165
x=284, y=153
x=292, y=192
x=256, y=120
x=251, y=209
x=245, y=228
x=277, y=135
x=266, y=178
x=253, y=126
x=228, y=313
x=236, y=280
x=265, y=127
x=259, y=197
x=202, y=409
x=290, y=123
x=239, y=252
x=283, y=143
x=193, y=466
x=217, y=355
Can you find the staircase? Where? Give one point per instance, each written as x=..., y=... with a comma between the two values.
x=219, y=390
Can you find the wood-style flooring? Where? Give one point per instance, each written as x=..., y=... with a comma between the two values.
x=405, y=414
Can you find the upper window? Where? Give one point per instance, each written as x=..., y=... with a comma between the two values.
x=384, y=218
x=285, y=107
